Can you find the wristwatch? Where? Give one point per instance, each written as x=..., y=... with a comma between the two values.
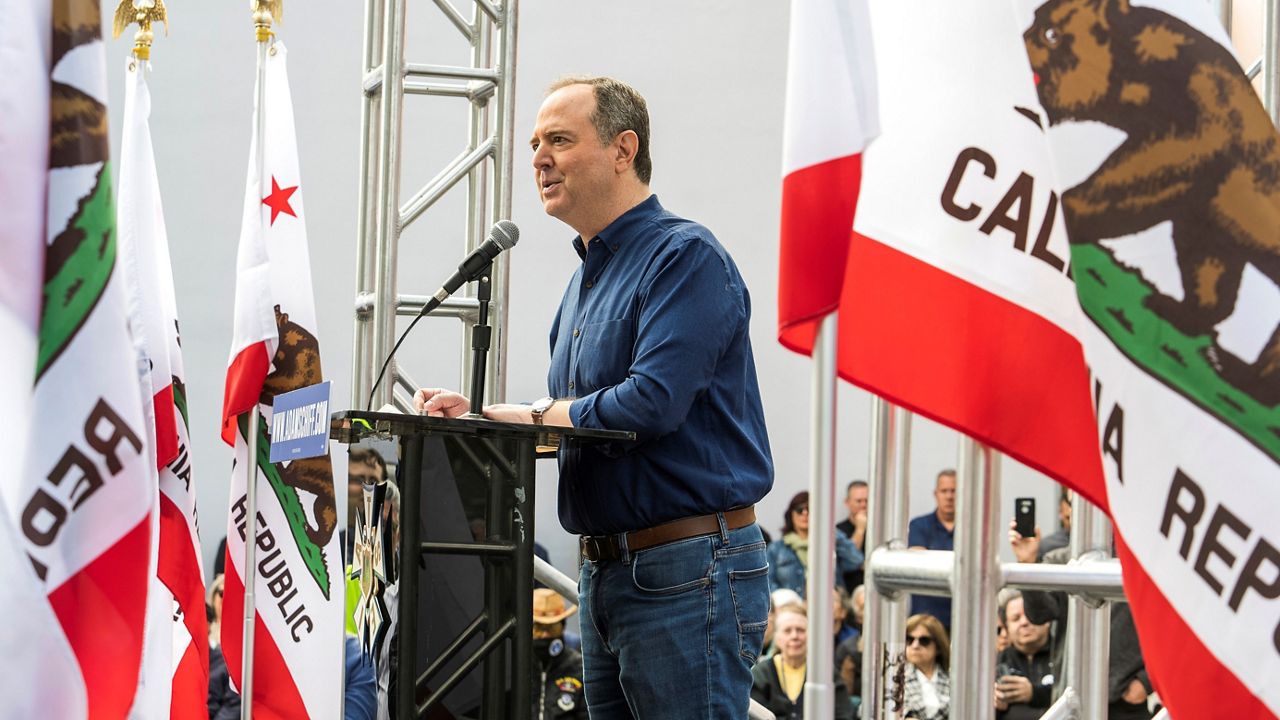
x=540, y=407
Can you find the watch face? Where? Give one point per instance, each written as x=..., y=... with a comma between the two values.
x=543, y=405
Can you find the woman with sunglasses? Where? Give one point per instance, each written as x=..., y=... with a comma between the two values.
x=789, y=556
x=927, y=693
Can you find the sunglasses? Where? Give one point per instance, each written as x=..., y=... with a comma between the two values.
x=923, y=640
x=801, y=510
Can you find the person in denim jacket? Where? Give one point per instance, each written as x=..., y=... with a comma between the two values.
x=789, y=556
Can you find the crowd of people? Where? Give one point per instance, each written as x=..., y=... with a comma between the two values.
x=1028, y=628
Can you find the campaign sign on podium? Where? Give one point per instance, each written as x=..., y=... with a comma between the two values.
x=300, y=423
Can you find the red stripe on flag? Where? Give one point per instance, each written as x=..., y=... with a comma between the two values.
x=190, y=700
x=166, y=426
x=179, y=570
x=948, y=350
x=244, y=385
x=1201, y=686
x=817, y=216
x=102, y=610
x=275, y=695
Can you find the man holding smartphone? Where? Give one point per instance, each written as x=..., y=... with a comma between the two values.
x=1024, y=688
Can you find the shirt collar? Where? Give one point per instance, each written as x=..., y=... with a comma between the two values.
x=621, y=228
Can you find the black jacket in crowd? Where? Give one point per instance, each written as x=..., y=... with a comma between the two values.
x=766, y=689
x=557, y=687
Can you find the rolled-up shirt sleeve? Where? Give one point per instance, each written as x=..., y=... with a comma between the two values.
x=689, y=311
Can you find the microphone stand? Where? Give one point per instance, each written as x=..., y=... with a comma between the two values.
x=481, y=334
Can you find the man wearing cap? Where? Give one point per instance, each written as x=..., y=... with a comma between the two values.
x=652, y=336
x=557, y=668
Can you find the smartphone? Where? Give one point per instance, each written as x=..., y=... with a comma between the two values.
x=1024, y=515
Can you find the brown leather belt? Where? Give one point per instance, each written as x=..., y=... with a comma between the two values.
x=607, y=547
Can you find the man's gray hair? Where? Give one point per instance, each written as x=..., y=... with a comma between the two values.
x=1003, y=599
x=619, y=107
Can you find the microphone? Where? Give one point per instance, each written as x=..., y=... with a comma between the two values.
x=502, y=236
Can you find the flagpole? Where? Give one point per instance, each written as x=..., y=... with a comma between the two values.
x=819, y=692
x=262, y=19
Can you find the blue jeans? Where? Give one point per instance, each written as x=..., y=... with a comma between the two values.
x=672, y=632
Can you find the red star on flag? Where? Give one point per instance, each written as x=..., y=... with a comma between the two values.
x=278, y=200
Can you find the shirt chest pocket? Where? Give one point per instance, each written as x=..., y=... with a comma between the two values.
x=604, y=353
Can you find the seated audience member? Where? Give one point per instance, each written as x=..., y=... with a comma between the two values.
x=936, y=531
x=223, y=702
x=1002, y=636
x=927, y=694
x=789, y=557
x=849, y=652
x=556, y=686
x=360, y=697
x=1025, y=671
x=858, y=604
x=1128, y=683
x=848, y=664
x=839, y=617
x=215, y=602
x=854, y=527
x=778, y=682
x=1062, y=537
x=777, y=599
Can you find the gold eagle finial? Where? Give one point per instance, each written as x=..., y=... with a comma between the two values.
x=144, y=13
x=266, y=12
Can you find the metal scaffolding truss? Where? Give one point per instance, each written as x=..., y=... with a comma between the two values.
x=487, y=86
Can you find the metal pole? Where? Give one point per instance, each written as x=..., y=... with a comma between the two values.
x=477, y=196
x=819, y=692
x=250, y=567
x=410, y=475
x=975, y=583
x=366, y=227
x=502, y=161
x=885, y=617
x=928, y=572
x=387, y=192
x=1271, y=59
x=1088, y=625
x=522, y=533
x=262, y=32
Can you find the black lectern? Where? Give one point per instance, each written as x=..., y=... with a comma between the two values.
x=461, y=597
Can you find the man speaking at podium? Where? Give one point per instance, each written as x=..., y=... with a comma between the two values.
x=651, y=336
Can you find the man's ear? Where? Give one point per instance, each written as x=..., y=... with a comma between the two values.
x=627, y=144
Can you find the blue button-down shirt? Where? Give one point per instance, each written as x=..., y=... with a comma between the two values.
x=652, y=336
x=927, y=531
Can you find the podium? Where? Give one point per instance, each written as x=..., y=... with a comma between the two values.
x=461, y=644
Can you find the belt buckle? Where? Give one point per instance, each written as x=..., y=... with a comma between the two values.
x=592, y=548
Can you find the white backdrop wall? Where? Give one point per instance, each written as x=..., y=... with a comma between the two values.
x=713, y=73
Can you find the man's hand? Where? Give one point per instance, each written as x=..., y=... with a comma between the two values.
x=438, y=402
x=1024, y=549
x=1135, y=693
x=1012, y=689
x=509, y=413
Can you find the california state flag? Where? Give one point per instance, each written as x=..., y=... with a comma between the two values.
x=34, y=653
x=80, y=495
x=830, y=118
x=955, y=299
x=298, y=642
x=175, y=675
x=1168, y=170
